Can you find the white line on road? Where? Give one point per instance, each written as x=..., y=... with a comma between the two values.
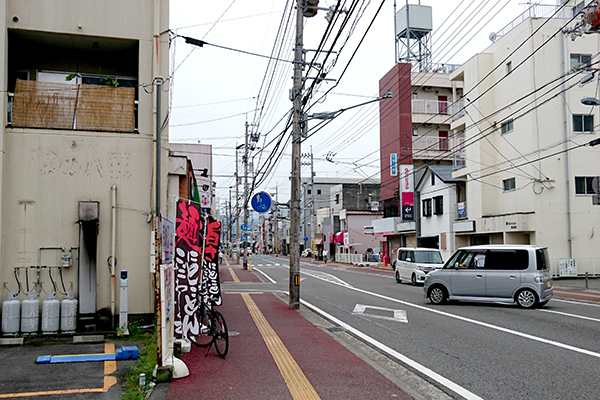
x=581, y=303
x=411, y=363
x=393, y=353
x=398, y=315
x=571, y=315
x=480, y=323
x=265, y=275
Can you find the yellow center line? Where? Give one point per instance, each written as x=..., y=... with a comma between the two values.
x=297, y=383
x=234, y=276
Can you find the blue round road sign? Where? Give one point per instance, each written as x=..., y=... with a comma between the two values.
x=261, y=202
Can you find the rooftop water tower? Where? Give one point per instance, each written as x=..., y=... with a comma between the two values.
x=413, y=39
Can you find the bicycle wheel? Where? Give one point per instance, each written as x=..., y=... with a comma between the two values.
x=221, y=335
x=204, y=337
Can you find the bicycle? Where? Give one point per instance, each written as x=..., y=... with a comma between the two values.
x=213, y=330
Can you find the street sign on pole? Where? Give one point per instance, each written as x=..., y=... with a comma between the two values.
x=261, y=202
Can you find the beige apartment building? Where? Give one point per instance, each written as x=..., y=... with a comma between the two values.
x=528, y=172
x=77, y=159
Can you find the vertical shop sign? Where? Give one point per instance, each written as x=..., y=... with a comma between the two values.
x=407, y=189
x=210, y=288
x=188, y=250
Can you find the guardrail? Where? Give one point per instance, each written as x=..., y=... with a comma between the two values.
x=348, y=258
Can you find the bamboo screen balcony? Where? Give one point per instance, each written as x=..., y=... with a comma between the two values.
x=73, y=107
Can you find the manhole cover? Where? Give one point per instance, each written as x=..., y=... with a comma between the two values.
x=233, y=333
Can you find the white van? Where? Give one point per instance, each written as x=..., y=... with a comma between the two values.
x=415, y=263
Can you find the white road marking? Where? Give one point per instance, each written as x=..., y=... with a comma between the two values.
x=575, y=302
x=426, y=371
x=571, y=315
x=324, y=276
x=393, y=353
x=475, y=322
x=399, y=315
x=265, y=275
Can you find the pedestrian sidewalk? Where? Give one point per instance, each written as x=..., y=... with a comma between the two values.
x=276, y=353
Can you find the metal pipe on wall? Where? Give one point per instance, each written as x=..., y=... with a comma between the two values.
x=112, y=261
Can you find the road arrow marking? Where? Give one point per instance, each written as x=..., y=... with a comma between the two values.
x=398, y=315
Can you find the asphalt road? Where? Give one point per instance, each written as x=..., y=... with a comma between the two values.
x=470, y=350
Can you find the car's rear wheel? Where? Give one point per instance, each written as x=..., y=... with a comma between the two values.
x=437, y=295
x=398, y=280
x=526, y=298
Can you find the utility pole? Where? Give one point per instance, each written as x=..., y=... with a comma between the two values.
x=309, y=201
x=246, y=194
x=294, y=284
x=237, y=207
x=229, y=225
x=276, y=247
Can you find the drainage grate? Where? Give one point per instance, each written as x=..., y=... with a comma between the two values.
x=335, y=329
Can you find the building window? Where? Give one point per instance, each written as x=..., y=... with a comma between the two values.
x=427, y=207
x=508, y=67
x=581, y=61
x=337, y=199
x=509, y=184
x=438, y=205
x=309, y=191
x=584, y=185
x=432, y=179
x=318, y=191
x=583, y=123
x=507, y=126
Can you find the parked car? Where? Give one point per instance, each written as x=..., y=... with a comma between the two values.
x=306, y=253
x=415, y=263
x=494, y=273
x=372, y=255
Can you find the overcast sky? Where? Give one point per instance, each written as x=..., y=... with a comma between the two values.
x=214, y=89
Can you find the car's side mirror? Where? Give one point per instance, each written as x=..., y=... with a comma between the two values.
x=408, y=259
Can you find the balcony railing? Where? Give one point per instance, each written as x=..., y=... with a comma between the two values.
x=430, y=107
x=72, y=107
x=458, y=109
x=435, y=68
x=432, y=143
x=536, y=11
x=436, y=107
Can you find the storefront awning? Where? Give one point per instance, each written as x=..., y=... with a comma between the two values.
x=318, y=242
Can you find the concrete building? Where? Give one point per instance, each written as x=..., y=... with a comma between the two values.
x=438, y=210
x=201, y=158
x=77, y=159
x=529, y=175
x=415, y=133
x=317, y=194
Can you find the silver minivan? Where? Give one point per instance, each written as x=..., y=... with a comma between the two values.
x=493, y=273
